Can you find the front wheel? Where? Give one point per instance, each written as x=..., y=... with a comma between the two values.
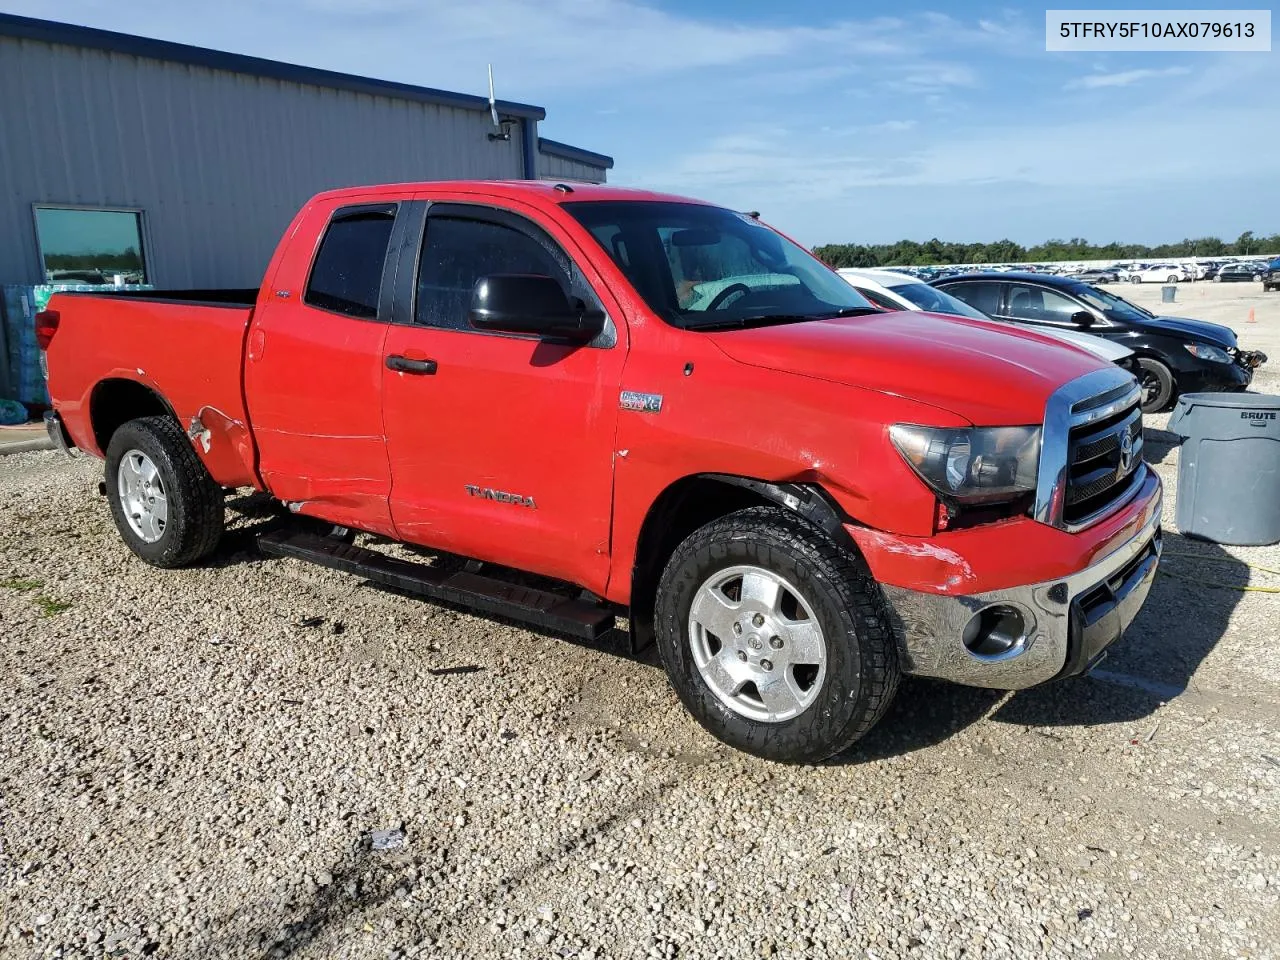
x=167, y=508
x=1156, y=381
x=775, y=638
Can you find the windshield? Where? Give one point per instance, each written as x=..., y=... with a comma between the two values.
x=1118, y=307
x=701, y=267
x=937, y=301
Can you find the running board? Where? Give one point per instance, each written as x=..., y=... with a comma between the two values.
x=540, y=608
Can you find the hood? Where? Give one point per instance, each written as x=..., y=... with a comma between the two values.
x=987, y=373
x=1108, y=350
x=1214, y=333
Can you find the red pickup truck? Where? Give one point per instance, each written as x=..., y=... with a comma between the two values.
x=662, y=408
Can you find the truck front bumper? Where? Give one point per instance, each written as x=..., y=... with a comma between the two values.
x=1053, y=628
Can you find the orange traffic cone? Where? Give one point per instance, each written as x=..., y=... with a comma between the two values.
x=1251, y=317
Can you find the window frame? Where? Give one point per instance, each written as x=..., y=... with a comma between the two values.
x=389, y=261
x=144, y=234
x=1001, y=286
x=1006, y=299
x=405, y=310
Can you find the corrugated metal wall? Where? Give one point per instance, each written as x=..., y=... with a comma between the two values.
x=218, y=161
x=551, y=167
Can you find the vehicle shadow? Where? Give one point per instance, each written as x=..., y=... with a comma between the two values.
x=1186, y=613
x=249, y=515
x=1158, y=444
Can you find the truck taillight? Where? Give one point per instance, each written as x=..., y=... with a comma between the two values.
x=46, y=327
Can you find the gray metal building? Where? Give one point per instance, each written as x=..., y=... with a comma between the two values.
x=143, y=160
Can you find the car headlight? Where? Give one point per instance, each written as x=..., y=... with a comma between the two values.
x=1205, y=352
x=972, y=464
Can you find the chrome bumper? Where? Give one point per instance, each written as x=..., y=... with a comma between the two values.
x=58, y=433
x=1069, y=622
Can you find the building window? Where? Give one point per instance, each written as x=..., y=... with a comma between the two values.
x=85, y=245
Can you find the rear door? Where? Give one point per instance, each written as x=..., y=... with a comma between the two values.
x=983, y=295
x=501, y=446
x=313, y=368
x=1040, y=306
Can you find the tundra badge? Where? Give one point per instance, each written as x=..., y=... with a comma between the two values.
x=500, y=496
x=643, y=402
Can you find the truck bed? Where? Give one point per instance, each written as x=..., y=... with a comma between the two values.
x=185, y=346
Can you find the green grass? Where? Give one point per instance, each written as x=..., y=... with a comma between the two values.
x=17, y=583
x=51, y=607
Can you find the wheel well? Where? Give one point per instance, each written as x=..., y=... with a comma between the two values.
x=115, y=402
x=695, y=501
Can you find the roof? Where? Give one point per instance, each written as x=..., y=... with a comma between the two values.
x=51, y=31
x=537, y=191
x=553, y=148
x=888, y=278
x=1047, y=279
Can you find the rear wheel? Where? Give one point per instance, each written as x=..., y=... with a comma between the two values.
x=775, y=638
x=1173, y=279
x=1157, y=384
x=166, y=506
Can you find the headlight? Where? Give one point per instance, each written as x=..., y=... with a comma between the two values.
x=1203, y=352
x=974, y=464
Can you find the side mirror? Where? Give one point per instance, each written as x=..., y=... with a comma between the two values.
x=532, y=304
x=1082, y=318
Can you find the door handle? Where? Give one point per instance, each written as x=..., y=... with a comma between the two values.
x=407, y=365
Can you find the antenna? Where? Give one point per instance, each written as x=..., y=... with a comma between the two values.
x=502, y=126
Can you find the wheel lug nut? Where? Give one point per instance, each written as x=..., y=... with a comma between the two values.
x=766, y=664
x=742, y=655
x=737, y=629
x=758, y=620
x=775, y=642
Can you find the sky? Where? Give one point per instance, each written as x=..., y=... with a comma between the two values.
x=839, y=121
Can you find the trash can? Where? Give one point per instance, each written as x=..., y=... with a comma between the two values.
x=1167, y=293
x=1229, y=470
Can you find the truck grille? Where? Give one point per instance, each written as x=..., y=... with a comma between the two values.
x=1100, y=470
x=1091, y=451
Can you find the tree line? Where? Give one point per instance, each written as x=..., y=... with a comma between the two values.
x=906, y=253
x=126, y=259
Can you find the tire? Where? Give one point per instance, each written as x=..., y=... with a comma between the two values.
x=1173, y=280
x=158, y=451
x=845, y=696
x=1157, y=385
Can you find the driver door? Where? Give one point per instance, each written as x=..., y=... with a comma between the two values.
x=501, y=445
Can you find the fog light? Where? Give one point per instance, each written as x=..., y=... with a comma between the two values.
x=995, y=632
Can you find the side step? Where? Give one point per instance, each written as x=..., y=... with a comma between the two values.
x=541, y=608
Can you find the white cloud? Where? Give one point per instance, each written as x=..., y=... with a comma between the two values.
x=1125, y=78
x=790, y=166
x=893, y=126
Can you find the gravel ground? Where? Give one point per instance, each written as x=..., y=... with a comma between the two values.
x=192, y=763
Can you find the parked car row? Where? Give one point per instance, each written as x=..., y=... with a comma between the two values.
x=1175, y=355
x=894, y=291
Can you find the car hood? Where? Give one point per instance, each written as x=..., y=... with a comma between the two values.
x=985, y=372
x=1108, y=350
x=1214, y=333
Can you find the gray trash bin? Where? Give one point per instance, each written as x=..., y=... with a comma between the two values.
x=1229, y=470
x=1168, y=293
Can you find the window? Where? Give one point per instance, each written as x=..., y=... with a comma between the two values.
x=79, y=245
x=879, y=299
x=937, y=301
x=697, y=265
x=459, y=252
x=1038, y=304
x=982, y=296
x=347, y=274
